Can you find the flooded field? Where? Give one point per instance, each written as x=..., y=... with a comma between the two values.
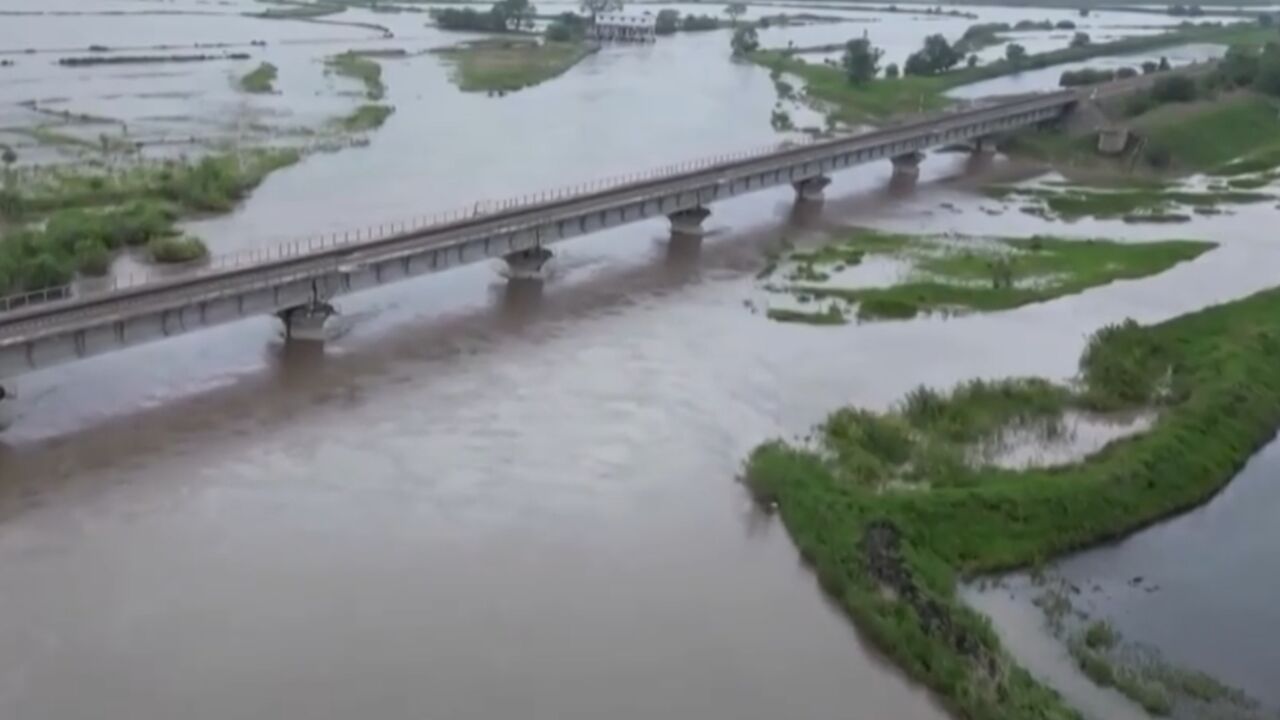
x=492, y=501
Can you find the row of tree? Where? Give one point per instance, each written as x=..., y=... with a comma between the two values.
x=503, y=16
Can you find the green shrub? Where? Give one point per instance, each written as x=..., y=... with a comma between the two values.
x=92, y=257
x=1123, y=366
x=1099, y=636
x=886, y=309
x=176, y=249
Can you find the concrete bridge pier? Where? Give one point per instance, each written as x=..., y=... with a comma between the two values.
x=305, y=323
x=810, y=190
x=688, y=223
x=907, y=166
x=8, y=400
x=985, y=145
x=527, y=264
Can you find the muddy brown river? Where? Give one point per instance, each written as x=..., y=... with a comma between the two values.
x=489, y=501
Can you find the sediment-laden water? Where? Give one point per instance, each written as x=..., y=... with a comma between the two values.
x=483, y=501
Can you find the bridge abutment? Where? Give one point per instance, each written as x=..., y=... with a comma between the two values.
x=306, y=323
x=811, y=190
x=688, y=223
x=907, y=167
x=527, y=264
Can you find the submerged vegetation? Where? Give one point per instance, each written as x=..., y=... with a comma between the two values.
x=922, y=86
x=260, y=79
x=502, y=65
x=889, y=514
x=1132, y=204
x=355, y=65
x=366, y=117
x=67, y=221
x=958, y=274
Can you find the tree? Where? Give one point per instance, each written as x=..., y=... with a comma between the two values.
x=744, y=41
x=1065, y=25
x=9, y=157
x=936, y=56
x=1265, y=19
x=595, y=7
x=1238, y=67
x=973, y=60
x=735, y=10
x=1174, y=88
x=1267, y=79
x=1080, y=39
x=1084, y=12
x=558, y=32
x=667, y=23
x=1164, y=64
x=861, y=61
x=1015, y=53
x=891, y=71
x=1150, y=66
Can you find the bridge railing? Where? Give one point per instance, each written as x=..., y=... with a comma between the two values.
x=300, y=247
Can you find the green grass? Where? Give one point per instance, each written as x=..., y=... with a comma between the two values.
x=882, y=98
x=366, y=117
x=260, y=79
x=831, y=316
x=176, y=249
x=504, y=65
x=62, y=220
x=1077, y=202
x=359, y=67
x=996, y=274
x=1099, y=636
x=297, y=10
x=891, y=558
x=1218, y=134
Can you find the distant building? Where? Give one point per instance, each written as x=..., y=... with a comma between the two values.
x=624, y=27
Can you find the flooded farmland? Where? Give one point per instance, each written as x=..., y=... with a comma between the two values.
x=484, y=500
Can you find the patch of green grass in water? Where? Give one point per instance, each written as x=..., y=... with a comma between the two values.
x=1075, y=203
x=504, y=65
x=260, y=79
x=831, y=316
x=366, y=117
x=891, y=558
x=88, y=213
x=359, y=67
x=1004, y=274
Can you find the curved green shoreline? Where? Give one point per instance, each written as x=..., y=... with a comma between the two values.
x=892, y=557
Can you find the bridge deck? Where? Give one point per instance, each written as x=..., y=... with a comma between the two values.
x=542, y=220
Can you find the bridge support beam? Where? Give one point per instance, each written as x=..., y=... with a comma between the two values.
x=7, y=402
x=985, y=145
x=527, y=264
x=688, y=223
x=810, y=190
x=305, y=323
x=907, y=166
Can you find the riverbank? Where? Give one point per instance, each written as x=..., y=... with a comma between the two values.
x=506, y=65
x=890, y=516
x=883, y=97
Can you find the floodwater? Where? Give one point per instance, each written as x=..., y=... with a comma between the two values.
x=1210, y=582
x=1047, y=78
x=1201, y=588
x=491, y=501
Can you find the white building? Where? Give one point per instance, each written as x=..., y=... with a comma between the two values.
x=624, y=27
